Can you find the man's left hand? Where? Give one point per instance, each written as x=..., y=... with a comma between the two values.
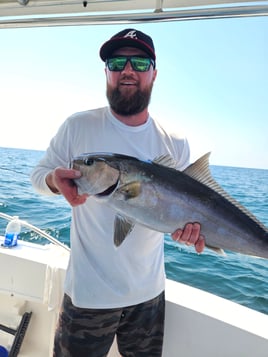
x=190, y=235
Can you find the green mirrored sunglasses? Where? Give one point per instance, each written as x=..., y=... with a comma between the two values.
x=140, y=64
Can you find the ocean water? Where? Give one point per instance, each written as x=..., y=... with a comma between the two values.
x=237, y=277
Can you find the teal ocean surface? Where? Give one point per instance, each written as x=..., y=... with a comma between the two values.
x=240, y=278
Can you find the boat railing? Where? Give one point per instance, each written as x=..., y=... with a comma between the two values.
x=25, y=13
x=36, y=230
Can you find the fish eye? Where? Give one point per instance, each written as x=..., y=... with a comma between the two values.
x=88, y=162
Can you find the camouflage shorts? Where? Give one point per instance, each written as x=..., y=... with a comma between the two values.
x=90, y=332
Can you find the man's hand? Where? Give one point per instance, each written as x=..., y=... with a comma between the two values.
x=61, y=181
x=190, y=235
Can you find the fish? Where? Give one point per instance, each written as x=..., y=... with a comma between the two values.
x=154, y=194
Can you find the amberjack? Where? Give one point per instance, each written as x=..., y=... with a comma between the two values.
x=156, y=195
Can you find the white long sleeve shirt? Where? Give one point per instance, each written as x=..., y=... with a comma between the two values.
x=99, y=275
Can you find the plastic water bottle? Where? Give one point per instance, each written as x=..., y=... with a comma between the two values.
x=12, y=232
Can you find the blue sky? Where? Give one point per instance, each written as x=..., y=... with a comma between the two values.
x=212, y=84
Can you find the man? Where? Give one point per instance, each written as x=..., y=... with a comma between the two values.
x=113, y=291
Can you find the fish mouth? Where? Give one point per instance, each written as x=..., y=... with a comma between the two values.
x=108, y=191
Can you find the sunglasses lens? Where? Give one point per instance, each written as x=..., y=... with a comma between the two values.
x=116, y=63
x=139, y=64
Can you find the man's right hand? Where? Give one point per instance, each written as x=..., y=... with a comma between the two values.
x=61, y=181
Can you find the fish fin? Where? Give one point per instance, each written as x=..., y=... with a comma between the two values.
x=122, y=227
x=165, y=160
x=200, y=171
x=217, y=250
x=130, y=190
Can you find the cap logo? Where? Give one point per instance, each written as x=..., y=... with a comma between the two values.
x=131, y=34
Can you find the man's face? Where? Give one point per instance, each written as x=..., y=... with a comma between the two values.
x=129, y=91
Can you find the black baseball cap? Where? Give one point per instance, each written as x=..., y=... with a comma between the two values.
x=128, y=38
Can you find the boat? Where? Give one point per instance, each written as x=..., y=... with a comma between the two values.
x=197, y=322
x=31, y=284
x=32, y=13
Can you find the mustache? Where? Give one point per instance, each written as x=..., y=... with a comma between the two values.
x=125, y=77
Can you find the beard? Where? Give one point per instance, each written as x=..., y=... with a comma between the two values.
x=128, y=103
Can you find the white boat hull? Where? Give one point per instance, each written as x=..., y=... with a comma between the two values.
x=197, y=323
